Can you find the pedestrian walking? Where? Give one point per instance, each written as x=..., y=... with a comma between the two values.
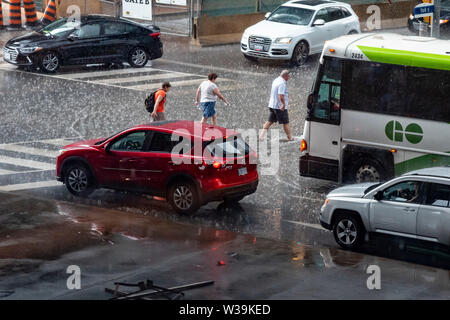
x=207, y=94
x=160, y=102
x=278, y=105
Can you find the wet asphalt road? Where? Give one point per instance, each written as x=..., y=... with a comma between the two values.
x=41, y=107
x=38, y=107
x=39, y=239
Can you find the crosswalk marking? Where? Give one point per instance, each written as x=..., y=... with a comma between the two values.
x=30, y=150
x=23, y=169
x=162, y=76
x=82, y=75
x=27, y=163
x=3, y=172
x=131, y=78
x=153, y=86
x=57, y=142
x=31, y=185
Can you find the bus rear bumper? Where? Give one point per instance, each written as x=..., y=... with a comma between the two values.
x=321, y=168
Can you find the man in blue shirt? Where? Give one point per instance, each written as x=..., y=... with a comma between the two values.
x=278, y=105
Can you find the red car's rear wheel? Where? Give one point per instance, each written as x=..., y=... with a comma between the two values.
x=183, y=197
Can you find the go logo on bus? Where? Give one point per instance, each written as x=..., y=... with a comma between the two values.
x=413, y=132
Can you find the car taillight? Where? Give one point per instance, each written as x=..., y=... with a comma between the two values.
x=217, y=164
x=303, y=145
x=155, y=34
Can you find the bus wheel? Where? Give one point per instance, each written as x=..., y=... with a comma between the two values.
x=367, y=170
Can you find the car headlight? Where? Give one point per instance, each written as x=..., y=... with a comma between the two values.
x=28, y=50
x=442, y=21
x=60, y=152
x=327, y=201
x=245, y=35
x=283, y=40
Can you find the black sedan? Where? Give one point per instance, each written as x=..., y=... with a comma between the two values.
x=444, y=21
x=92, y=39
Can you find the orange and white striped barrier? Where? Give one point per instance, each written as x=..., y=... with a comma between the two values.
x=1, y=16
x=49, y=13
x=30, y=12
x=15, y=14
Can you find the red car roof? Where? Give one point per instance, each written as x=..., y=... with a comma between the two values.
x=195, y=129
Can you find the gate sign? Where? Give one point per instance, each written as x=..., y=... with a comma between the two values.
x=137, y=9
x=423, y=10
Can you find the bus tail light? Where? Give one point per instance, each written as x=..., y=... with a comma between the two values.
x=303, y=145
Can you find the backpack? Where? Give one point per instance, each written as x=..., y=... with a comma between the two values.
x=150, y=101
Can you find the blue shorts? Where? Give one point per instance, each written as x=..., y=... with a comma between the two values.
x=208, y=109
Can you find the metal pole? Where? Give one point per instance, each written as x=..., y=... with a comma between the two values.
x=435, y=25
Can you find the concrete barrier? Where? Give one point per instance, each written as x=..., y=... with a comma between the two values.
x=228, y=29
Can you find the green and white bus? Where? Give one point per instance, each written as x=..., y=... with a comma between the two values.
x=380, y=106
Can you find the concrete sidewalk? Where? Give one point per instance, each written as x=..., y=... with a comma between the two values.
x=39, y=239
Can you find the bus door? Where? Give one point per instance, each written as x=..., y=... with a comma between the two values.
x=325, y=116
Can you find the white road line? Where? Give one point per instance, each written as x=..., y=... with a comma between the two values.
x=187, y=64
x=174, y=84
x=31, y=185
x=7, y=66
x=57, y=142
x=309, y=225
x=27, y=163
x=3, y=172
x=30, y=150
x=162, y=76
x=82, y=75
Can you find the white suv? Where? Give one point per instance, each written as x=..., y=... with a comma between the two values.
x=297, y=29
x=415, y=205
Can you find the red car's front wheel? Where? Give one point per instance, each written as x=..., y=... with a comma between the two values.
x=79, y=180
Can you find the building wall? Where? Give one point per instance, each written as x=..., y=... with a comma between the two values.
x=233, y=7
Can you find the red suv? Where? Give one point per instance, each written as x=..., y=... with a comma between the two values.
x=186, y=162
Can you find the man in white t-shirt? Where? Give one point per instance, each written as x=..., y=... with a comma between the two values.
x=278, y=105
x=207, y=94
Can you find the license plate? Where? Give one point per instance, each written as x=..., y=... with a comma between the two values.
x=242, y=171
x=259, y=47
x=6, y=56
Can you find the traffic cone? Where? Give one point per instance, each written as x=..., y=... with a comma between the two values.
x=30, y=13
x=15, y=15
x=1, y=16
x=49, y=13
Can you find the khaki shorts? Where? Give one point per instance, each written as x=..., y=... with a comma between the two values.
x=159, y=116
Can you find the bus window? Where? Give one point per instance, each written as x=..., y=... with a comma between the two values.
x=428, y=94
x=326, y=105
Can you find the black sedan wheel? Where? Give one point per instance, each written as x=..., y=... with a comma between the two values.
x=50, y=62
x=138, y=58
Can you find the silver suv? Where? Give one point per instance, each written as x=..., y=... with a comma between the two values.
x=415, y=205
